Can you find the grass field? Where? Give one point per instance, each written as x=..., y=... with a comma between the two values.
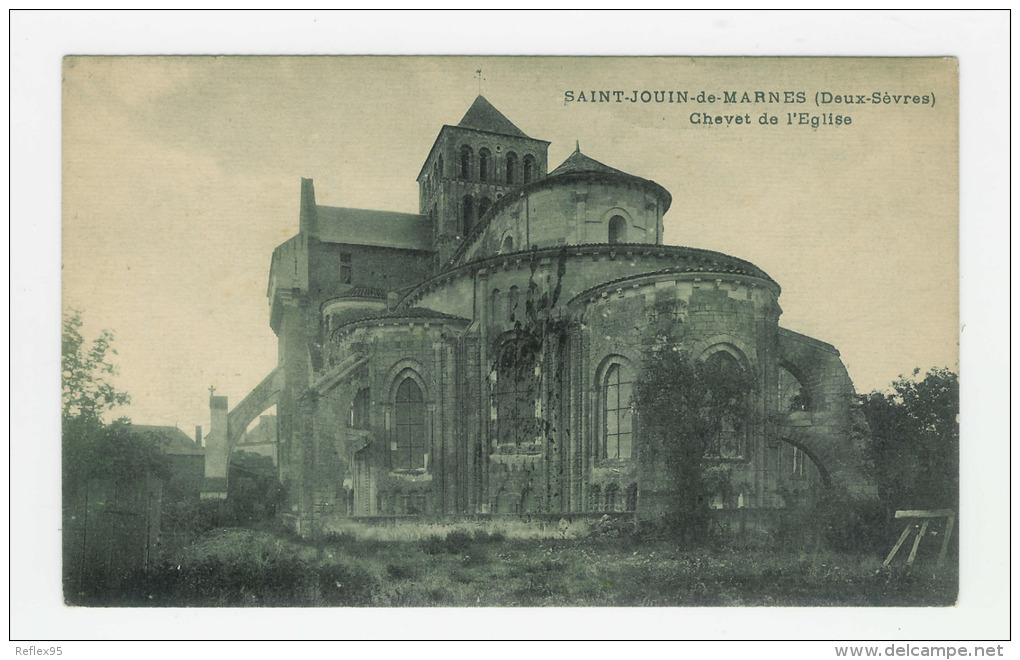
x=486, y=567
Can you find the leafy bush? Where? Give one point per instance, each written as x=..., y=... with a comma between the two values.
x=432, y=545
x=346, y=584
x=457, y=541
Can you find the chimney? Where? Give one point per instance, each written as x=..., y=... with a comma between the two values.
x=198, y=435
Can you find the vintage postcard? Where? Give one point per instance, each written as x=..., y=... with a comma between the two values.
x=482, y=331
x=407, y=347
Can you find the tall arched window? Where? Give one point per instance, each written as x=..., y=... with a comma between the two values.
x=515, y=393
x=496, y=308
x=408, y=445
x=439, y=167
x=529, y=168
x=617, y=418
x=465, y=162
x=484, y=160
x=467, y=214
x=511, y=167
x=729, y=442
x=513, y=299
x=508, y=245
x=483, y=205
x=617, y=229
x=359, y=410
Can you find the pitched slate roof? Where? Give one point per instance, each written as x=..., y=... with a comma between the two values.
x=483, y=116
x=408, y=231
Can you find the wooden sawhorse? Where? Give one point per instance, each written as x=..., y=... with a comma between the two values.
x=950, y=516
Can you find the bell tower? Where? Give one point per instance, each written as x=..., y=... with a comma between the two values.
x=470, y=166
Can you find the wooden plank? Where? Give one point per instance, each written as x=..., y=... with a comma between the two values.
x=934, y=513
x=945, y=541
x=917, y=542
x=896, y=548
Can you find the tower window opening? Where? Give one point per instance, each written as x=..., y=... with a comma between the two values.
x=465, y=162
x=508, y=245
x=511, y=167
x=529, y=168
x=617, y=229
x=483, y=164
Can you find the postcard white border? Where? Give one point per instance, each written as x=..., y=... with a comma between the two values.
x=39, y=40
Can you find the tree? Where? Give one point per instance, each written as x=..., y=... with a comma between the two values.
x=92, y=447
x=86, y=389
x=684, y=406
x=915, y=440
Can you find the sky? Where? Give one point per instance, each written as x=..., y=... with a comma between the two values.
x=181, y=174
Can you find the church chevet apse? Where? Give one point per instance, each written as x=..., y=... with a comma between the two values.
x=397, y=392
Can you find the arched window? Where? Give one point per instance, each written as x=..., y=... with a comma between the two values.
x=408, y=446
x=508, y=245
x=359, y=410
x=502, y=502
x=483, y=205
x=527, y=501
x=515, y=392
x=484, y=160
x=617, y=418
x=729, y=442
x=512, y=301
x=465, y=162
x=496, y=308
x=439, y=167
x=511, y=167
x=617, y=229
x=467, y=214
x=529, y=168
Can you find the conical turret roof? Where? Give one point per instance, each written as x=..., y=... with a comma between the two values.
x=483, y=116
x=578, y=162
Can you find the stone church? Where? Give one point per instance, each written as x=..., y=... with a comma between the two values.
x=412, y=380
